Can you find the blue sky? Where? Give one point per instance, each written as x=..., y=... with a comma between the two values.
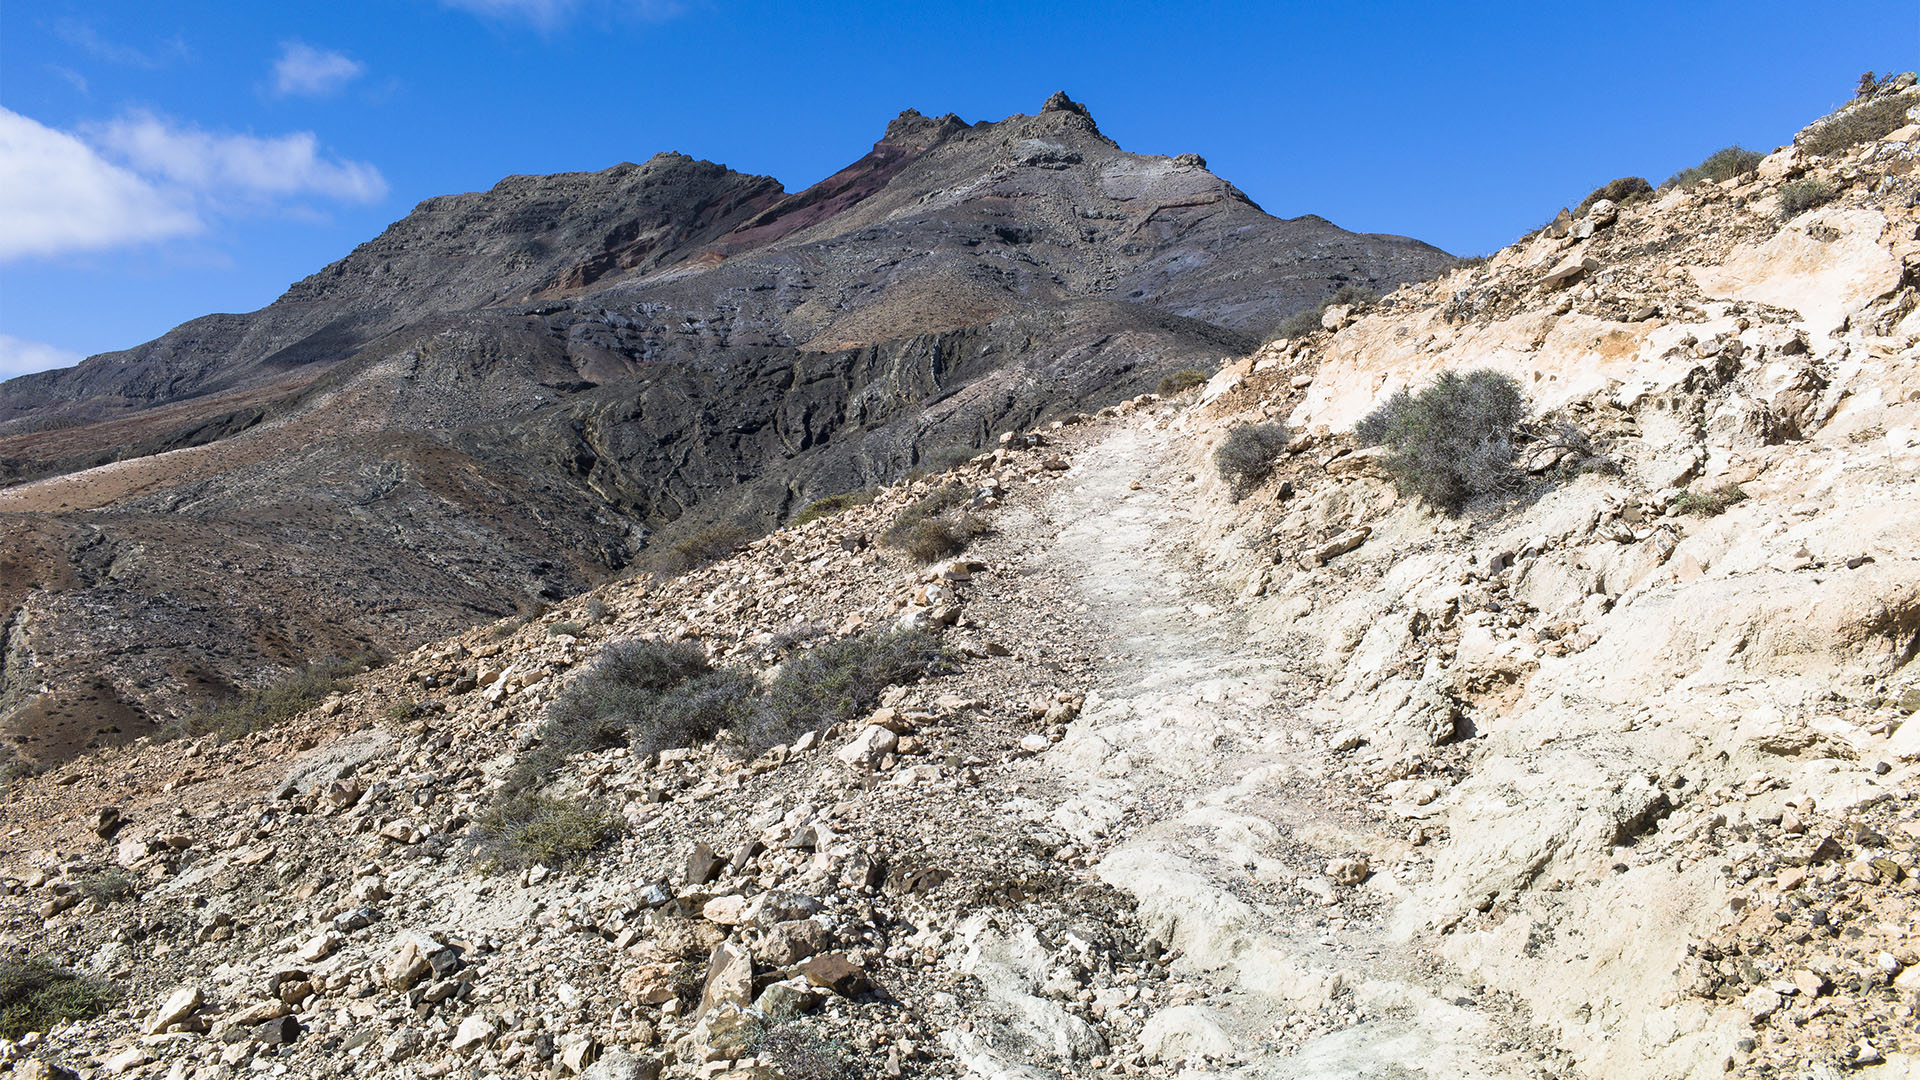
x=162, y=161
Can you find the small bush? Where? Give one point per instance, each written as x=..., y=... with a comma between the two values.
x=1867, y=122
x=525, y=829
x=35, y=995
x=831, y=505
x=1246, y=456
x=1709, y=503
x=837, y=682
x=930, y=540
x=932, y=528
x=1179, y=382
x=1621, y=191
x=624, y=698
x=700, y=547
x=595, y=611
x=798, y=1052
x=262, y=707
x=570, y=628
x=1307, y=320
x=1719, y=165
x=1803, y=195
x=106, y=886
x=1454, y=441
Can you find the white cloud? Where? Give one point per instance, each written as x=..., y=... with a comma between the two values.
x=57, y=195
x=550, y=13
x=216, y=164
x=18, y=356
x=310, y=72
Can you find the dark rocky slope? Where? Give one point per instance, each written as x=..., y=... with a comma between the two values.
x=501, y=398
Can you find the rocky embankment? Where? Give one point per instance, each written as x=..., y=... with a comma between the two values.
x=1615, y=779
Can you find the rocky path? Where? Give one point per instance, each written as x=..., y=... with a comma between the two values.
x=1205, y=793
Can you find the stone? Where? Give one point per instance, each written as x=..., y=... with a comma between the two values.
x=408, y=967
x=835, y=972
x=576, y=1052
x=1761, y=1003
x=104, y=822
x=280, y=1031
x=1184, y=1033
x=727, y=910
x=1348, y=871
x=788, y=943
x=729, y=978
x=703, y=866
x=1568, y=272
x=179, y=1005
x=780, y=906
x=1322, y=554
x=788, y=999
x=867, y=748
x=476, y=1032
x=648, y=984
x=621, y=1065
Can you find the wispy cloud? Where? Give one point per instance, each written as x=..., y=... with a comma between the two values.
x=305, y=71
x=57, y=194
x=548, y=14
x=18, y=356
x=248, y=166
x=70, y=77
x=82, y=35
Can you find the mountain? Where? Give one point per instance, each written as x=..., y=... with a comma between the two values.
x=509, y=396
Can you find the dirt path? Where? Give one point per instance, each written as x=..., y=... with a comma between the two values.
x=1207, y=796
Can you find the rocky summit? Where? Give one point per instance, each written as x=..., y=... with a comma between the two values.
x=510, y=396
x=1233, y=731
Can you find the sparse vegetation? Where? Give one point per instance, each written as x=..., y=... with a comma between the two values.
x=1179, y=382
x=1245, y=458
x=1711, y=502
x=595, y=611
x=1306, y=321
x=1801, y=196
x=566, y=627
x=798, y=1052
x=831, y=505
x=1719, y=165
x=837, y=681
x=708, y=544
x=934, y=527
x=1454, y=441
x=262, y=707
x=1622, y=191
x=35, y=995
x=525, y=829
x=1866, y=122
x=108, y=886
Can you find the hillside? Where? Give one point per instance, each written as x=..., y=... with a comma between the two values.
x=512, y=395
x=1609, y=774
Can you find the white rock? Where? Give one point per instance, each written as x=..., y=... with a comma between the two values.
x=474, y=1033
x=1184, y=1032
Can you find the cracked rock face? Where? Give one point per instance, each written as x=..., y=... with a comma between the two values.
x=503, y=398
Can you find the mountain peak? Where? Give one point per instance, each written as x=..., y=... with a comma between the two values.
x=1060, y=102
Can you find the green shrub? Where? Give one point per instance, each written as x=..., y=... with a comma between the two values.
x=1245, y=458
x=837, y=682
x=1307, y=320
x=521, y=830
x=569, y=627
x=831, y=505
x=624, y=698
x=798, y=1052
x=933, y=528
x=1179, y=382
x=1621, y=191
x=595, y=611
x=1709, y=503
x=1803, y=195
x=35, y=995
x=702, y=546
x=106, y=886
x=262, y=707
x=929, y=540
x=1867, y=122
x=1454, y=441
x=1719, y=165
